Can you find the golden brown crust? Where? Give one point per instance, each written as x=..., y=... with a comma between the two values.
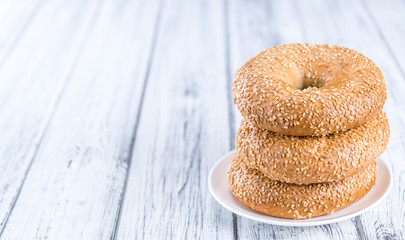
x=304, y=160
x=343, y=89
x=286, y=200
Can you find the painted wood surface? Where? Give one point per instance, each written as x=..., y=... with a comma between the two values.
x=113, y=112
x=30, y=88
x=79, y=170
x=185, y=118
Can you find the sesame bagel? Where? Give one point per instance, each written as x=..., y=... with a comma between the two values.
x=304, y=160
x=309, y=90
x=285, y=200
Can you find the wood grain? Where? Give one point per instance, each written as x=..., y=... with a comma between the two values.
x=29, y=91
x=388, y=18
x=75, y=183
x=183, y=130
x=113, y=112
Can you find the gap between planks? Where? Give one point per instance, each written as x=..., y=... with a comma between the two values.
x=138, y=116
x=229, y=92
x=383, y=38
x=52, y=108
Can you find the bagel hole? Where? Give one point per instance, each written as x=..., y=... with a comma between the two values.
x=300, y=80
x=308, y=82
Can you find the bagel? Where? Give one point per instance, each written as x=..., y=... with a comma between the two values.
x=285, y=200
x=309, y=90
x=304, y=160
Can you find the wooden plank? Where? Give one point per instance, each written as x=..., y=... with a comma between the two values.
x=75, y=183
x=254, y=27
x=183, y=130
x=33, y=78
x=389, y=18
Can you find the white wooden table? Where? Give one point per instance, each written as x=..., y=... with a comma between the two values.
x=112, y=113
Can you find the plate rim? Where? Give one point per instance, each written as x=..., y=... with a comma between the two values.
x=303, y=222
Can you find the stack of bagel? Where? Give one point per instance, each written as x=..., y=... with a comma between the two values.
x=312, y=129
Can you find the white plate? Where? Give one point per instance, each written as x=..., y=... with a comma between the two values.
x=218, y=185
